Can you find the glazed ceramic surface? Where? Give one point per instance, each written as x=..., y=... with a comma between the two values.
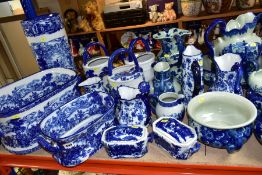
x=255, y=98
x=222, y=119
x=93, y=84
x=255, y=81
x=238, y=38
x=245, y=4
x=26, y=102
x=145, y=59
x=175, y=137
x=133, y=107
x=47, y=38
x=171, y=105
x=258, y=127
x=191, y=7
x=124, y=75
x=125, y=141
x=217, y=6
x=228, y=74
x=192, y=74
x=73, y=132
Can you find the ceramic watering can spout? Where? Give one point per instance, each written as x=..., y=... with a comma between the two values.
x=29, y=9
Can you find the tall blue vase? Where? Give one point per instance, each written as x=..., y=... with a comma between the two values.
x=47, y=38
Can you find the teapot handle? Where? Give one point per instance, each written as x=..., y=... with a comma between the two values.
x=207, y=33
x=113, y=56
x=87, y=56
x=132, y=45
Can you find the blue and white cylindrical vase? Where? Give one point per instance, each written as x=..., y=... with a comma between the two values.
x=47, y=37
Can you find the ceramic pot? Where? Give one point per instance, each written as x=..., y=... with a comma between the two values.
x=217, y=6
x=73, y=132
x=133, y=107
x=192, y=74
x=129, y=76
x=93, y=84
x=175, y=137
x=47, y=38
x=221, y=119
x=245, y=4
x=25, y=103
x=228, y=74
x=191, y=7
x=171, y=105
x=125, y=141
x=255, y=81
x=145, y=59
x=238, y=38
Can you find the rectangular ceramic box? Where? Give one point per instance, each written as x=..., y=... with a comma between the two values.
x=175, y=137
x=125, y=141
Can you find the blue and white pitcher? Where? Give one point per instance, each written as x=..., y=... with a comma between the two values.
x=228, y=74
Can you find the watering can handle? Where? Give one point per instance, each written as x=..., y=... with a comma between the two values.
x=132, y=45
x=113, y=56
x=207, y=33
x=29, y=9
x=87, y=56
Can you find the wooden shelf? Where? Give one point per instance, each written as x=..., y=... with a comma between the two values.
x=40, y=11
x=157, y=161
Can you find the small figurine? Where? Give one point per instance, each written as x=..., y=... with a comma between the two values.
x=85, y=26
x=71, y=22
x=153, y=15
x=169, y=13
x=160, y=17
x=93, y=14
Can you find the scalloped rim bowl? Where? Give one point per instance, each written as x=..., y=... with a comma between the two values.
x=240, y=21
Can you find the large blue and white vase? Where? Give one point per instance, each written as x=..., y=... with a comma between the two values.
x=228, y=74
x=133, y=107
x=47, y=38
x=172, y=47
x=192, y=64
x=238, y=37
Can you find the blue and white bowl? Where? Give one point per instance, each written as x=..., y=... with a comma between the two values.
x=175, y=137
x=221, y=119
x=25, y=103
x=73, y=132
x=126, y=141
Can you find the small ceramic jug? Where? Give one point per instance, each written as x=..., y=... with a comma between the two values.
x=228, y=74
x=192, y=74
x=93, y=84
x=171, y=104
x=133, y=107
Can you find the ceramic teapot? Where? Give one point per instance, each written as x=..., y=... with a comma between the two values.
x=238, y=38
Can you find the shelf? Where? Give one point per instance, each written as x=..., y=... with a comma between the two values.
x=202, y=16
x=40, y=11
x=157, y=161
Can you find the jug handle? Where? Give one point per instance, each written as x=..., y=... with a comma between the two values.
x=237, y=68
x=195, y=68
x=47, y=145
x=132, y=45
x=118, y=52
x=207, y=33
x=87, y=56
x=29, y=9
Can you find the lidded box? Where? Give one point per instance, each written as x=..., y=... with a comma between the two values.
x=175, y=137
x=124, y=141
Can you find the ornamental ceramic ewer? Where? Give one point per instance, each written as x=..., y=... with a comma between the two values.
x=228, y=74
x=192, y=64
x=47, y=38
x=238, y=37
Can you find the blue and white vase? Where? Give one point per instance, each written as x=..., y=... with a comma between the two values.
x=192, y=64
x=228, y=74
x=47, y=38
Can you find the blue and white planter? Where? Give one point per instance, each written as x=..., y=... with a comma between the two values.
x=47, y=38
x=125, y=141
x=26, y=102
x=73, y=132
x=175, y=137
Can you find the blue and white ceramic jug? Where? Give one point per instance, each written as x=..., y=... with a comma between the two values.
x=238, y=38
x=192, y=64
x=47, y=38
x=228, y=74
